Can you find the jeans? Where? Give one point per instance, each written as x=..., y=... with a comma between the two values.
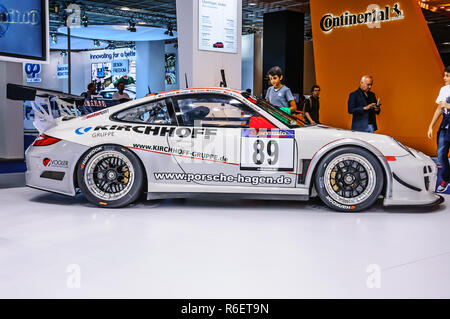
x=369, y=129
x=442, y=156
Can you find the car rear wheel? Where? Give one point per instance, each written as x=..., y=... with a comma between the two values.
x=110, y=176
x=349, y=179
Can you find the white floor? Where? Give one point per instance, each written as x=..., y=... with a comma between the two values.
x=53, y=246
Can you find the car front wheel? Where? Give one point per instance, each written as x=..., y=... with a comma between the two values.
x=349, y=179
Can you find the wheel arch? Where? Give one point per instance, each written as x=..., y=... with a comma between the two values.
x=341, y=143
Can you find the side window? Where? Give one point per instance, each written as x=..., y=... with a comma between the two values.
x=151, y=113
x=214, y=110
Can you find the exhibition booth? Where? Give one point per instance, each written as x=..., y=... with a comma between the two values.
x=170, y=145
x=149, y=59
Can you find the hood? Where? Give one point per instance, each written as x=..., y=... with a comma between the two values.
x=387, y=145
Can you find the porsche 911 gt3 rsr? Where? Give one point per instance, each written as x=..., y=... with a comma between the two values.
x=202, y=142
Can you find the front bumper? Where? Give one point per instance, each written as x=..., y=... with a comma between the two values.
x=414, y=181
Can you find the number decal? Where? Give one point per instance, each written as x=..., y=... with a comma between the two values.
x=272, y=152
x=258, y=155
x=260, y=150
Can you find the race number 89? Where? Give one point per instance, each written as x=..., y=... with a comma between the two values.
x=262, y=151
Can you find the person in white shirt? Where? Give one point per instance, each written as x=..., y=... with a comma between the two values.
x=443, y=136
x=121, y=95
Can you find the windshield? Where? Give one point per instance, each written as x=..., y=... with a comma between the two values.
x=290, y=121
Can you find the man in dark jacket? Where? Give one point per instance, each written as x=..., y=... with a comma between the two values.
x=364, y=106
x=311, y=106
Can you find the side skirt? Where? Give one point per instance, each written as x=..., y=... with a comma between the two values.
x=152, y=196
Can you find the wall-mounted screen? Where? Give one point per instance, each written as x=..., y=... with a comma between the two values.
x=217, y=25
x=24, y=30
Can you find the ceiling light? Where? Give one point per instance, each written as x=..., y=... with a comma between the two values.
x=85, y=20
x=252, y=4
x=3, y=17
x=169, y=30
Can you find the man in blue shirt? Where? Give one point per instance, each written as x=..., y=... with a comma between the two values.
x=279, y=94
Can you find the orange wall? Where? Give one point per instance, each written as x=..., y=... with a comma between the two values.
x=402, y=57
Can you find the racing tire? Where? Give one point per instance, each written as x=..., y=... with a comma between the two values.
x=110, y=176
x=349, y=179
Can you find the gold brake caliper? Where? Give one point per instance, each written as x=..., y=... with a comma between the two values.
x=333, y=180
x=126, y=174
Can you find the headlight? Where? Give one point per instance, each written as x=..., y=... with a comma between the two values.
x=404, y=147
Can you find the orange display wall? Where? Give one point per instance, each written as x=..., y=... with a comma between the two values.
x=395, y=47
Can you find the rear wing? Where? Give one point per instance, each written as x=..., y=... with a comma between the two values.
x=47, y=105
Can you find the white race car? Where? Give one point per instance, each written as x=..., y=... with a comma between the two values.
x=204, y=142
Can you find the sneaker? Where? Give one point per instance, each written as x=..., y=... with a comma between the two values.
x=442, y=187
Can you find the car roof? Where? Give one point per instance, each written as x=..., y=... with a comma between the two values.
x=201, y=90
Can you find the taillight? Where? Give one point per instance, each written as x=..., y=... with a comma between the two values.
x=44, y=140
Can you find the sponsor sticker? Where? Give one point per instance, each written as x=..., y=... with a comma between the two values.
x=224, y=178
x=90, y=154
x=89, y=116
x=47, y=162
x=180, y=152
x=332, y=201
x=268, y=133
x=102, y=134
x=82, y=130
x=182, y=132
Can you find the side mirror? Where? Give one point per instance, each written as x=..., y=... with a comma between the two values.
x=259, y=122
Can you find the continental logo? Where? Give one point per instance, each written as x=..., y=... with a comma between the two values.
x=182, y=132
x=332, y=201
x=373, y=17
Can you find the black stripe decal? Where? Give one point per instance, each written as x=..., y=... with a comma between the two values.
x=414, y=188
